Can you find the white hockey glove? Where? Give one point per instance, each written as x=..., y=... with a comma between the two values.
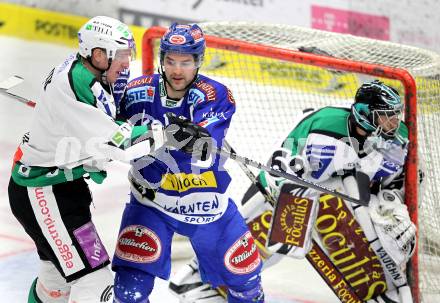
x=393, y=225
x=293, y=220
x=120, y=146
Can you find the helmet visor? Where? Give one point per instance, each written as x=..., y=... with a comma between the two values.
x=125, y=55
x=181, y=61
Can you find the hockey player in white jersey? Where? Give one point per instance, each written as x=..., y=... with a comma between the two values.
x=73, y=135
x=331, y=146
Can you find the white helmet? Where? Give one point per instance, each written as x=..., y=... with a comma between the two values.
x=106, y=33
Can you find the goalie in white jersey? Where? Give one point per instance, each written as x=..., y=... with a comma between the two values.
x=332, y=146
x=74, y=134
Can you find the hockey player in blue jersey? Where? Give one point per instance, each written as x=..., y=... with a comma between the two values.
x=185, y=193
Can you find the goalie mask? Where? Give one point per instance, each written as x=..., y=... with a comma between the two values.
x=377, y=109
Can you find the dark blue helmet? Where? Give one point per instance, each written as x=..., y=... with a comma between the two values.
x=372, y=101
x=183, y=39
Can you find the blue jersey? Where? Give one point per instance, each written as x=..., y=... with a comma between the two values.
x=191, y=192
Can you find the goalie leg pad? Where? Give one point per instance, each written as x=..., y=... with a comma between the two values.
x=254, y=207
x=132, y=285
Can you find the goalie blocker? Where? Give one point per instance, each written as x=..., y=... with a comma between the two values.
x=292, y=222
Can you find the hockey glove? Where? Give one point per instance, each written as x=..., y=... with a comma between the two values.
x=393, y=225
x=190, y=138
x=282, y=160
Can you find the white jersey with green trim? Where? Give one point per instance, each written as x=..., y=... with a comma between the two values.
x=73, y=114
x=321, y=139
x=73, y=118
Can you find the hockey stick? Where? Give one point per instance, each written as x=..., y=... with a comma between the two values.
x=9, y=83
x=15, y=80
x=316, y=256
x=245, y=161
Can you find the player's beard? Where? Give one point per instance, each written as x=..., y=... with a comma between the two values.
x=179, y=85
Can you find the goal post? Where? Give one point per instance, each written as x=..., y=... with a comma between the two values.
x=276, y=71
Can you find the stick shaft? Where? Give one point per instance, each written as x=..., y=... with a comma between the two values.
x=293, y=178
x=19, y=98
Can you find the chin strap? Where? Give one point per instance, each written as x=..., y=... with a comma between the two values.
x=103, y=71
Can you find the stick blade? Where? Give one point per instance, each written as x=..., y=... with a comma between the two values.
x=11, y=82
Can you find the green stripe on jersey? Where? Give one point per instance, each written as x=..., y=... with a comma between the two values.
x=36, y=176
x=81, y=80
x=331, y=121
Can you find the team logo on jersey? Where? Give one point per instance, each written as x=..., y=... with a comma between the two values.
x=104, y=100
x=177, y=39
x=242, y=257
x=195, y=96
x=137, y=243
x=170, y=103
x=319, y=158
x=182, y=182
